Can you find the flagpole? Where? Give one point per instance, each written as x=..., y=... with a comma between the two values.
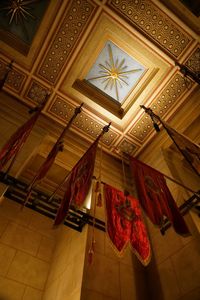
x=182, y=185
x=152, y=115
x=173, y=180
x=12, y=163
x=58, y=187
x=76, y=112
x=37, y=110
x=105, y=129
x=60, y=140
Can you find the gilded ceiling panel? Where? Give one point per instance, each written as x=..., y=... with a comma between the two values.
x=161, y=105
x=127, y=146
x=83, y=122
x=148, y=18
x=77, y=16
x=144, y=16
x=62, y=109
x=193, y=63
x=20, y=20
x=36, y=92
x=15, y=77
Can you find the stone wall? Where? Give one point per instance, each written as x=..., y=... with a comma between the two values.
x=26, y=246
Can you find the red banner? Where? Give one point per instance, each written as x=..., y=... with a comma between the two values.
x=125, y=224
x=58, y=146
x=47, y=163
x=78, y=183
x=155, y=196
x=17, y=140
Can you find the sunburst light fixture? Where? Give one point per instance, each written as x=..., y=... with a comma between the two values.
x=18, y=10
x=115, y=72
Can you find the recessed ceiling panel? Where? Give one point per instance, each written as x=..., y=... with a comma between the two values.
x=115, y=72
x=21, y=18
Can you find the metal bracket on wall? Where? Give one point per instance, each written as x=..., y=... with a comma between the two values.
x=76, y=219
x=191, y=204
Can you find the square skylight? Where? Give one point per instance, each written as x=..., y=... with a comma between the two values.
x=115, y=72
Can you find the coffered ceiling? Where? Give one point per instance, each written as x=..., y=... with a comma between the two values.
x=112, y=55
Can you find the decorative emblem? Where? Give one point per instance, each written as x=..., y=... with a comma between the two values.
x=125, y=210
x=151, y=185
x=19, y=10
x=113, y=72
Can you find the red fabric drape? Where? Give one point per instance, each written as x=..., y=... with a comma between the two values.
x=155, y=196
x=78, y=183
x=47, y=163
x=17, y=140
x=125, y=223
x=58, y=146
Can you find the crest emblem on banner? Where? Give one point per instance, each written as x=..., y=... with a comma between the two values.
x=125, y=225
x=125, y=210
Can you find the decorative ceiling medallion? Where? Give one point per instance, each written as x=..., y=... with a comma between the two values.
x=160, y=106
x=193, y=63
x=15, y=77
x=127, y=146
x=77, y=16
x=115, y=72
x=84, y=123
x=148, y=18
x=36, y=92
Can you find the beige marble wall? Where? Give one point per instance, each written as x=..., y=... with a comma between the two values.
x=65, y=277
x=110, y=277
x=185, y=175
x=26, y=247
x=174, y=272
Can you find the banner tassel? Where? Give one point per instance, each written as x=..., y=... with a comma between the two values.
x=98, y=184
x=93, y=241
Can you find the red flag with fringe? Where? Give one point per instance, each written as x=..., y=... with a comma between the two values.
x=78, y=183
x=125, y=224
x=44, y=168
x=155, y=197
x=17, y=140
x=58, y=146
x=48, y=162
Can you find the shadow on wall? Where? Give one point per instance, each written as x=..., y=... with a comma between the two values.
x=153, y=280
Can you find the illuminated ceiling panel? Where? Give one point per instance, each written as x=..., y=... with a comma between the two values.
x=115, y=72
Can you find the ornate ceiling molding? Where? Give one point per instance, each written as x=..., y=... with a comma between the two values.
x=161, y=105
x=127, y=146
x=15, y=79
x=84, y=123
x=84, y=27
x=77, y=16
x=193, y=63
x=36, y=92
x=154, y=23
